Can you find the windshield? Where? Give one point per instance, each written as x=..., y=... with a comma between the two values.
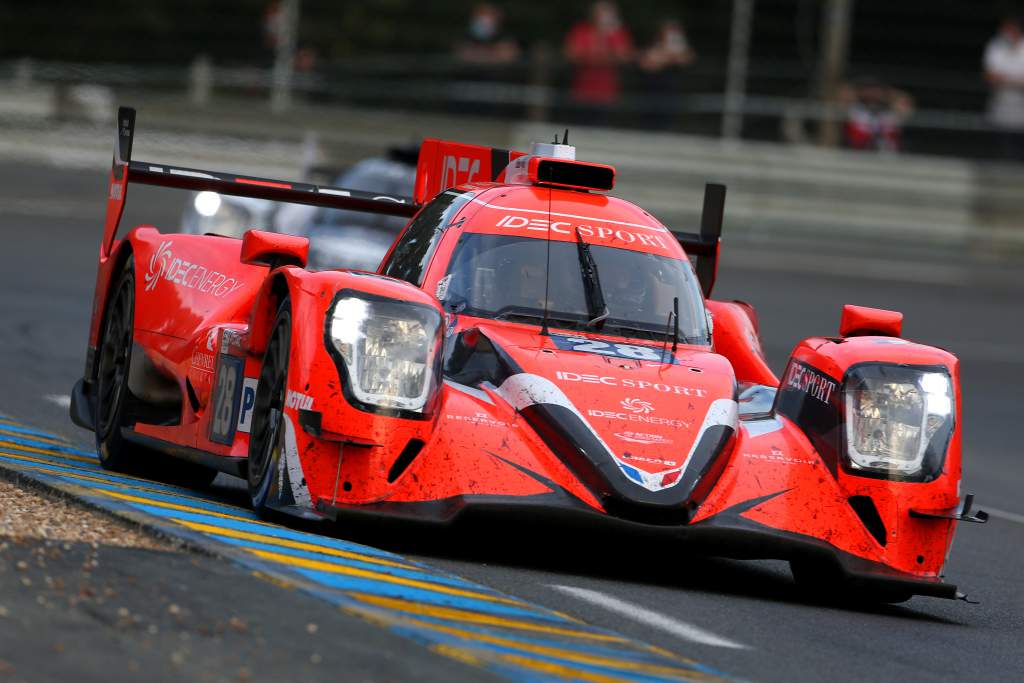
x=502, y=276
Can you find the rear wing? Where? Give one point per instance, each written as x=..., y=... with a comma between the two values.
x=124, y=170
x=706, y=244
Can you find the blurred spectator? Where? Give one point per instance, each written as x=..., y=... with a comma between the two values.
x=1004, y=70
x=669, y=49
x=875, y=113
x=485, y=43
x=598, y=47
x=662, y=65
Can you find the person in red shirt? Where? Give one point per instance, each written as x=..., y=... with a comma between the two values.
x=598, y=47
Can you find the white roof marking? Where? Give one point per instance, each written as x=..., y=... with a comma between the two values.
x=570, y=215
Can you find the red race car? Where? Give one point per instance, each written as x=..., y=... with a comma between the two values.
x=529, y=345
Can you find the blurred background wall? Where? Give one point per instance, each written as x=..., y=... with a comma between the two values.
x=849, y=115
x=393, y=52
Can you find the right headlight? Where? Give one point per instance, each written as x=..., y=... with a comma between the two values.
x=899, y=420
x=388, y=351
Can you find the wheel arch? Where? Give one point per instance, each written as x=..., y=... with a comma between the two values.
x=275, y=289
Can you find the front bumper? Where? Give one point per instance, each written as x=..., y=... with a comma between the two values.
x=726, y=535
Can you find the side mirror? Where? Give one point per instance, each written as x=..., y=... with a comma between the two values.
x=274, y=249
x=860, y=321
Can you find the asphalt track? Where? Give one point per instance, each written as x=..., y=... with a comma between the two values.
x=743, y=619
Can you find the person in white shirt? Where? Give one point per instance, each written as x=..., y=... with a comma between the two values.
x=1004, y=71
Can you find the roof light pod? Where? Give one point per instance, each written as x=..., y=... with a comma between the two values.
x=559, y=171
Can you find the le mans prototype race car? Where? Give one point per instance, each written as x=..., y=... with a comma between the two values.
x=529, y=345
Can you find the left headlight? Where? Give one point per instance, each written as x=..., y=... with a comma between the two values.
x=388, y=349
x=899, y=421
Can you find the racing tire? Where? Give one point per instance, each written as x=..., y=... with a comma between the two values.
x=115, y=355
x=266, y=438
x=114, y=360
x=822, y=583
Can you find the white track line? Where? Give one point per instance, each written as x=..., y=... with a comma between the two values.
x=62, y=400
x=680, y=629
x=1003, y=514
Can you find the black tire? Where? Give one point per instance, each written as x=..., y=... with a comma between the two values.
x=115, y=356
x=114, y=359
x=823, y=583
x=267, y=435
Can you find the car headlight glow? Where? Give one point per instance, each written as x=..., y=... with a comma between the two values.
x=389, y=350
x=898, y=420
x=207, y=203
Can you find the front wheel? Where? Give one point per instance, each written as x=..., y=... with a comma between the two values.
x=266, y=439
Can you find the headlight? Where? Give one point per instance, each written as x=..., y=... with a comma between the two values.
x=898, y=421
x=389, y=350
x=207, y=203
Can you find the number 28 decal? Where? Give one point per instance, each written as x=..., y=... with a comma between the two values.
x=631, y=351
x=234, y=396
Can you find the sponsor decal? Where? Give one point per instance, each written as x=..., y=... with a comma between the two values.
x=653, y=461
x=482, y=419
x=458, y=170
x=646, y=439
x=248, y=400
x=604, y=233
x=638, y=418
x=811, y=382
x=630, y=351
x=211, y=340
x=298, y=401
x=631, y=383
x=163, y=265
x=635, y=405
x=778, y=456
x=203, y=362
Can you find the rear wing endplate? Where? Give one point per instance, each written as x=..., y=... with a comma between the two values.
x=705, y=245
x=124, y=169
x=444, y=164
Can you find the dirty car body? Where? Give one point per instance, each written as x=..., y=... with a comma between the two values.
x=530, y=344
